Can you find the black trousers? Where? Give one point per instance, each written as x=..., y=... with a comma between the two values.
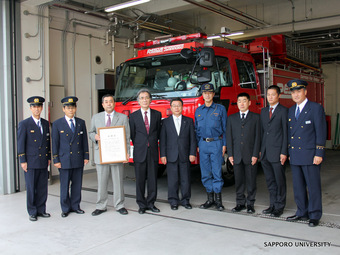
x=70, y=197
x=146, y=174
x=36, y=190
x=276, y=182
x=245, y=176
x=179, y=176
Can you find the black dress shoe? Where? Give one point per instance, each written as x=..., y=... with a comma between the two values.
x=44, y=215
x=33, y=218
x=122, y=211
x=97, y=212
x=79, y=211
x=269, y=210
x=187, y=206
x=250, y=209
x=141, y=210
x=238, y=208
x=64, y=214
x=276, y=213
x=313, y=223
x=296, y=218
x=154, y=209
x=174, y=207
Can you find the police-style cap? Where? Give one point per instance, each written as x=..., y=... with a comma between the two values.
x=208, y=87
x=36, y=100
x=297, y=84
x=69, y=100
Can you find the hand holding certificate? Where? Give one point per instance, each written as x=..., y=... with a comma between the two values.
x=112, y=145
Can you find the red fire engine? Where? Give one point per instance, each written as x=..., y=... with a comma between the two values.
x=178, y=66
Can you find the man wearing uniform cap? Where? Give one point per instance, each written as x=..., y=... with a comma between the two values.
x=35, y=156
x=70, y=154
x=210, y=126
x=306, y=140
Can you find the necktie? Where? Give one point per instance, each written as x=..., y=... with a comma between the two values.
x=297, y=113
x=270, y=112
x=243, y=114
x=72, y=125
x=177, y=126
x=108, y=123
x=146, y=121
x=39, y=126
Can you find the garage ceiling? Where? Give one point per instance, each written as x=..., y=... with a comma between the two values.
x=180, y=16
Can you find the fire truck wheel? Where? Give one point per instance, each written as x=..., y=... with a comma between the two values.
x=161, y=170
x=227, y=172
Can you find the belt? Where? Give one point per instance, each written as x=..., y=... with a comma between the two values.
x=212, y=139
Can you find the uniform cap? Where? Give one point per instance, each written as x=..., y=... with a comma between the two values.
x=36, y=100
x=296, y=84
x=69, y=100
x=208, y=87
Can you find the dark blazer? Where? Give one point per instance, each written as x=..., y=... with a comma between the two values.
x=243, y=139
x=274, y=133
x=307, y=135
x=174, y=146
x=34, y=147
x=70, y=149
x=141, y=139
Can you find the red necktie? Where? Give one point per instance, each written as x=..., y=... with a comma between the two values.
x=146, y=120
x=270, y=112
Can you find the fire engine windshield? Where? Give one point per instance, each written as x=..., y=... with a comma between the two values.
x=168, y=76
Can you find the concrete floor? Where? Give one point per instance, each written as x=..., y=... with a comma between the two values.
x=184, y=231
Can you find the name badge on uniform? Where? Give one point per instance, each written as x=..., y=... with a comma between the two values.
x=308, y=122
x=62, y=131
x=32, y=131
x=81, y=132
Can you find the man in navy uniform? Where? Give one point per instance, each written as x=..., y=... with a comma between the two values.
x=70, y=154
x=306, y=140
x=274, y=150
x=35, y=156
x=210, y=126
x=177, y=149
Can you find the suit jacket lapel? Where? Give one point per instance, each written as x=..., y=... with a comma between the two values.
x=76, y=129
x=183, y=124
x=114, y=119
x=301, y=118
x=140, y=118
x=66, y=126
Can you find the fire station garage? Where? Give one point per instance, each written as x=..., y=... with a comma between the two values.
x=90, y=48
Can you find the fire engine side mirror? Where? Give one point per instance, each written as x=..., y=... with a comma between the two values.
x=186, y=53
x=207, y=57
x=203, y=76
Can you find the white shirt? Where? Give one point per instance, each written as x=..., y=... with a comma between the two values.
x=69, y=122
x=274, y=107
x=36, y=122
x=148, y=114
x=301, y=106
x=245, y=114
x=177, y=120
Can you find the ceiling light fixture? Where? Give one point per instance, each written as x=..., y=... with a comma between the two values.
x=125, y=5
x=225, y=35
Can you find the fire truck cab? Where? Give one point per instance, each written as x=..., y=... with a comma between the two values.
x=178, y=66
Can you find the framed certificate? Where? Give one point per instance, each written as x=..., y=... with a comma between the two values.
x=112, y=145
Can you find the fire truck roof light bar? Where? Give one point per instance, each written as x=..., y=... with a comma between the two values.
x=125, y=5
x=171, y=40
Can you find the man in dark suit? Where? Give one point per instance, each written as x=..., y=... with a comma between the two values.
x=243, y=147
x=177, y=150
x=70, y=154
x=274, y=150
x=109, y=118
x=35, y=156
x=145, y=126
x=306, y=140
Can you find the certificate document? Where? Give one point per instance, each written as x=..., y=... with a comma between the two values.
x=112, y=145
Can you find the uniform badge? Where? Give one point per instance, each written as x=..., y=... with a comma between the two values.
x=308, y=122
x=62, y=131
x=32, y=131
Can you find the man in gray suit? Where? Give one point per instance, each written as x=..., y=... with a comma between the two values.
x=274, y=148
x=243, y=147
x=109, y=118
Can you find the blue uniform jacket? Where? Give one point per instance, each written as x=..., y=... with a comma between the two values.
x=34, y=147
x=211, y=122
x=70, y=149
x=307, y=135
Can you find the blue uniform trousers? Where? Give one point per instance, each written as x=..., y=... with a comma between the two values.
x=36, y=190
x=211, y=165
x=70, y=201
x=309, y=202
